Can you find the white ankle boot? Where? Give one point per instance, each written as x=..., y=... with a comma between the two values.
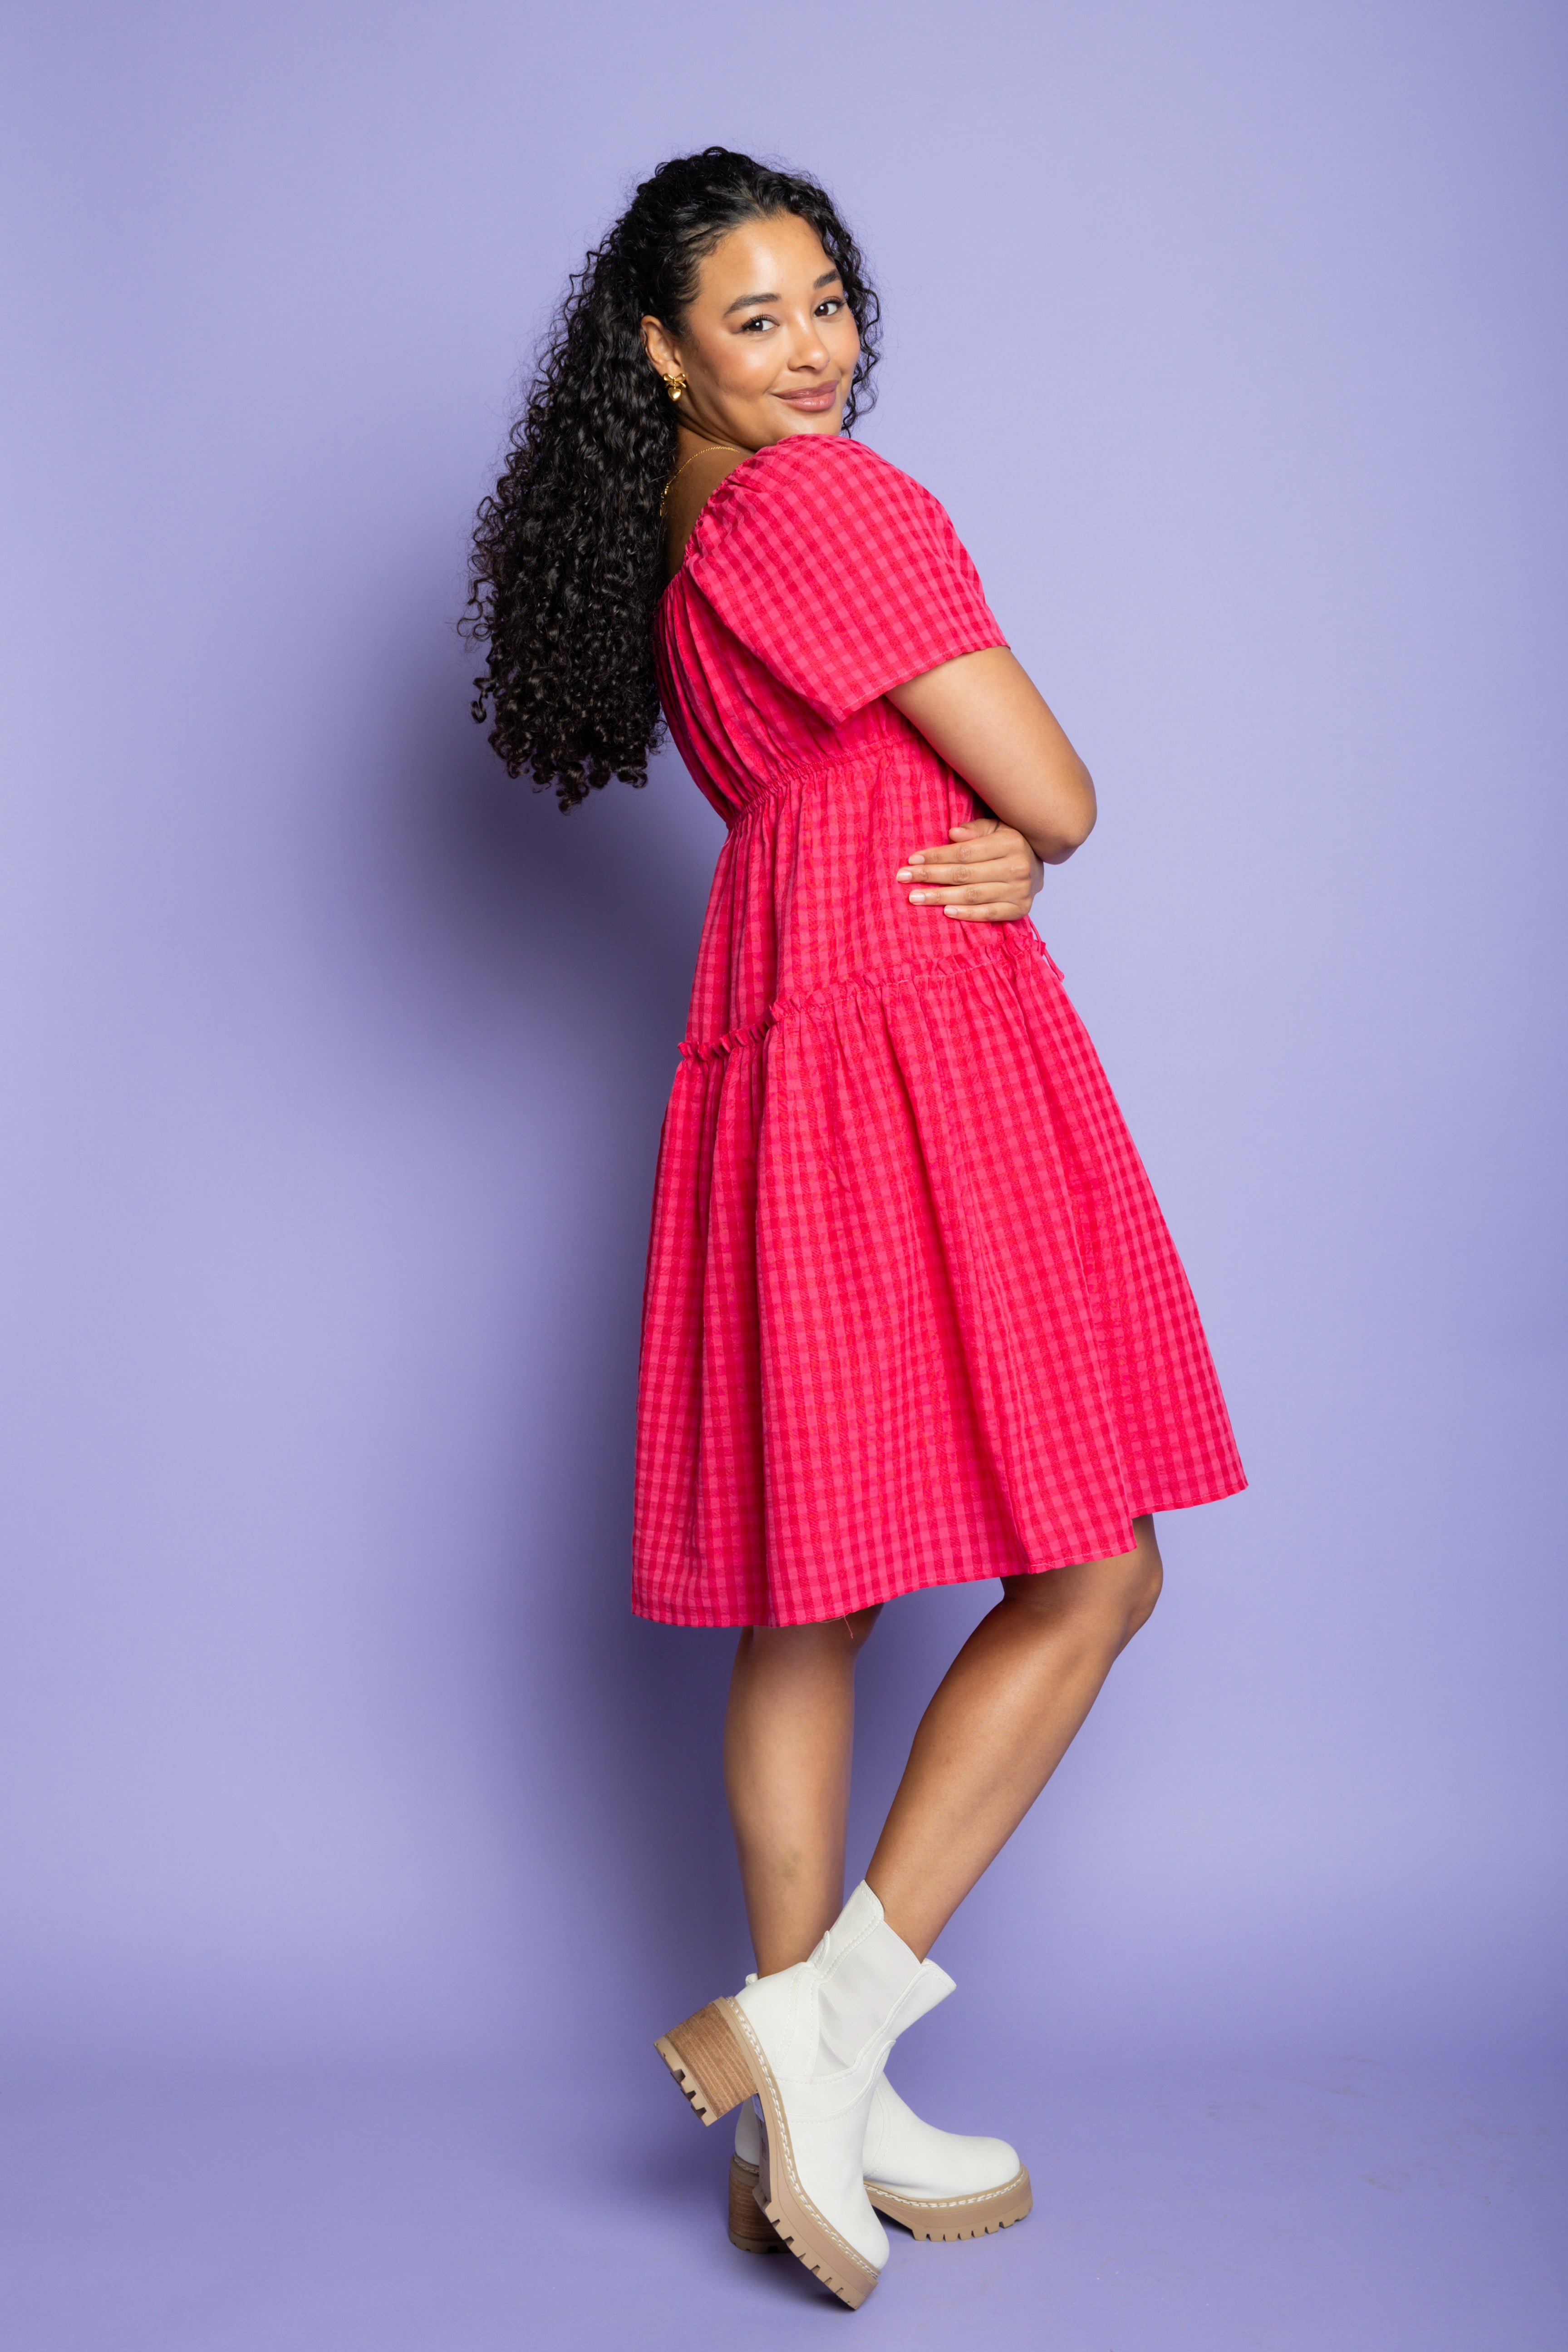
x=938, y=2184
x=811, y=2042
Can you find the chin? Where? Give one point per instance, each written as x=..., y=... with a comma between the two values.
x=831, y=420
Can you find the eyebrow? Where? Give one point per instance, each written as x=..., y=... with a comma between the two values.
x=744, y=302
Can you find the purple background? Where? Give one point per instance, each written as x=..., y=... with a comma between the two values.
x=357, y=1842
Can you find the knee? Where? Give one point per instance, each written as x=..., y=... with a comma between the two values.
x=1140, y=1576
x=1104, y=1602
x=1143, y=1592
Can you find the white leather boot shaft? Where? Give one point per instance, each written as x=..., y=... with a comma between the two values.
x=905, y=2153
x=825, y=2028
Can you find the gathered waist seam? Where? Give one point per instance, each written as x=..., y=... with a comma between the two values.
x=817, y=771
x=1009, y=947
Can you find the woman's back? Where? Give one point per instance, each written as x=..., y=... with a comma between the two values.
x=816, y=576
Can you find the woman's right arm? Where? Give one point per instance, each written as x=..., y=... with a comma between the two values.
x=985, y=716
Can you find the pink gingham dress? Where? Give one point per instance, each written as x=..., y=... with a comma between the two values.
x=913, y=1315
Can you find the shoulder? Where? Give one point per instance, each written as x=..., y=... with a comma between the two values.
x=840, y=574
x=690, y=490
x=819, y=491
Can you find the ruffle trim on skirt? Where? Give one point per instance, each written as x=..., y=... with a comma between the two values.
x=1017, y=939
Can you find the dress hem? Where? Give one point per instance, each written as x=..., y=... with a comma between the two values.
x=697, y=1621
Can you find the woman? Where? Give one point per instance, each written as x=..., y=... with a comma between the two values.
x=912, y=1317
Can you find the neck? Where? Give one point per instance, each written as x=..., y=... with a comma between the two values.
x=691, y=435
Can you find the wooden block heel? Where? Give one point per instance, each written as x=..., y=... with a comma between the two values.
x=749, y=2228
x=709, y=2061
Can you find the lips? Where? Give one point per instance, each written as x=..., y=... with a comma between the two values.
x=820, y=397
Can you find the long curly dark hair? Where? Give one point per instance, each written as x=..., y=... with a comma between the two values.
x=568, y=557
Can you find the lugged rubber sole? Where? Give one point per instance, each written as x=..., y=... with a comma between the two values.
x=718, y=2059
x=943, y=2219
x=950, y=2218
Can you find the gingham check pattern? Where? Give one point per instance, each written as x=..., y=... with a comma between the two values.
x=913, y=1315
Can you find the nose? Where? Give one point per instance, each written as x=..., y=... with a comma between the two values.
x=809, y=355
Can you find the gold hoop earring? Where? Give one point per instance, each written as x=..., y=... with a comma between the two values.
x=676, y=385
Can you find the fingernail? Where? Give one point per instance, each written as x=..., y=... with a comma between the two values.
x=918, y=857
x=917, y=898
x=903, y=874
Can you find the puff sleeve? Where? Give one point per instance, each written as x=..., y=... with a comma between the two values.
x=841, y=576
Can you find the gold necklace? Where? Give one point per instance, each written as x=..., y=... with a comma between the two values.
x=680, y=470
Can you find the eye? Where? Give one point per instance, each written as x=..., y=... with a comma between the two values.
x=834, y=302
x=758, y=324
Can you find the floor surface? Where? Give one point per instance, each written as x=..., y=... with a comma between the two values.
x=1315, y=2205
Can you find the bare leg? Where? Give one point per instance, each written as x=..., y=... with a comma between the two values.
x=1001, y=1722
x=789, y=1734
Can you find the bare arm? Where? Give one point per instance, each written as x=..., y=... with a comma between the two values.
x=983, y=715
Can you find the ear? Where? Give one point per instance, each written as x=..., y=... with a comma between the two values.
x=658, y=347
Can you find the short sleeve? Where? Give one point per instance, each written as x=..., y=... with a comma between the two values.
x=842, y=575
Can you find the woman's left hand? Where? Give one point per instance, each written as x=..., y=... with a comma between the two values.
x=987, y=874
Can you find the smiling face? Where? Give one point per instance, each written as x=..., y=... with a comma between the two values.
x=769, y=344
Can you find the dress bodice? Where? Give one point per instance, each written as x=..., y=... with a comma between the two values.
x=775, y=653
